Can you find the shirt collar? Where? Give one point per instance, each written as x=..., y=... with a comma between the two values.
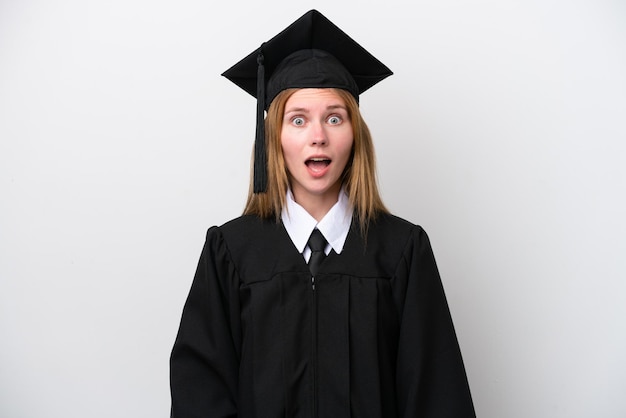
x=335, y=225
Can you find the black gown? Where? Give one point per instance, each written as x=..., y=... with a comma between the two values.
x=372, y=338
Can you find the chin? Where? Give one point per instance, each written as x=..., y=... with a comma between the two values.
x=321, y=191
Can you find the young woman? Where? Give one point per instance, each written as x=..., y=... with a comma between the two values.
x=279, y=325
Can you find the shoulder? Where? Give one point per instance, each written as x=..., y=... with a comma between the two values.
x=253, y=246
x=389, y=244
x=249, y=226
x=237, y=224
x=392, y=226
x=245, y=232
x=398, y=235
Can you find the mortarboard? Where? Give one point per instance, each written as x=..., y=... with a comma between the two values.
x=312, y=52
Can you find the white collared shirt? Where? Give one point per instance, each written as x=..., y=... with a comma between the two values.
x=334, y=225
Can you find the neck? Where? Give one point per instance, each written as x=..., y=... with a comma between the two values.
x=317, y=205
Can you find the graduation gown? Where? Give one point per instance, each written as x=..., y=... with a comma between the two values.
x=370, y=336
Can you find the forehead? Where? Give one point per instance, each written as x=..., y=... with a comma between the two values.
x=305, y=98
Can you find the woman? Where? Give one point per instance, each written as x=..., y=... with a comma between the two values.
x=316, y=302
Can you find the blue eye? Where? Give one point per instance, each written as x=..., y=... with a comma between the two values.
x=334, y=120
x=298, y=121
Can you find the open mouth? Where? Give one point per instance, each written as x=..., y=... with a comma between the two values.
x=317, y=164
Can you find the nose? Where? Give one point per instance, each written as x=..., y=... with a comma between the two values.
x=318, y=135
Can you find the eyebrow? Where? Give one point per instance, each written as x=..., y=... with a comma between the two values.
x=306, y=110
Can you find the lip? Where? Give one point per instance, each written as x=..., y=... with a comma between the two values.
x=318, y=169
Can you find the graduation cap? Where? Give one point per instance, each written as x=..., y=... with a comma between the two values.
x=312, y=52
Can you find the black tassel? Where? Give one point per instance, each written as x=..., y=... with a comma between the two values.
x=260, y=153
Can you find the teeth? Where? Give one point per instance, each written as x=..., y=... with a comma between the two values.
x=319, y=159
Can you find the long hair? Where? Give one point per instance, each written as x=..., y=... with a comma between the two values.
x=358, y=178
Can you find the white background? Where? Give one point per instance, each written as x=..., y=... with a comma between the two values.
x=502, y=132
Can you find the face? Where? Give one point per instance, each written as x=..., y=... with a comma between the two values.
x=316, y=138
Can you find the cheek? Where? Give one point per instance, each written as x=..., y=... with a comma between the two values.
x=346, y=148
x=289, y=151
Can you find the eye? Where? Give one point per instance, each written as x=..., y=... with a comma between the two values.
x=335, y=120
x=298, y=121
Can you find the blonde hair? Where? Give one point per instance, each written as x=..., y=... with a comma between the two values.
x=359, y=176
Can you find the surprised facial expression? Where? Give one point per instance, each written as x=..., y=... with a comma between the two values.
x=316, y=139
